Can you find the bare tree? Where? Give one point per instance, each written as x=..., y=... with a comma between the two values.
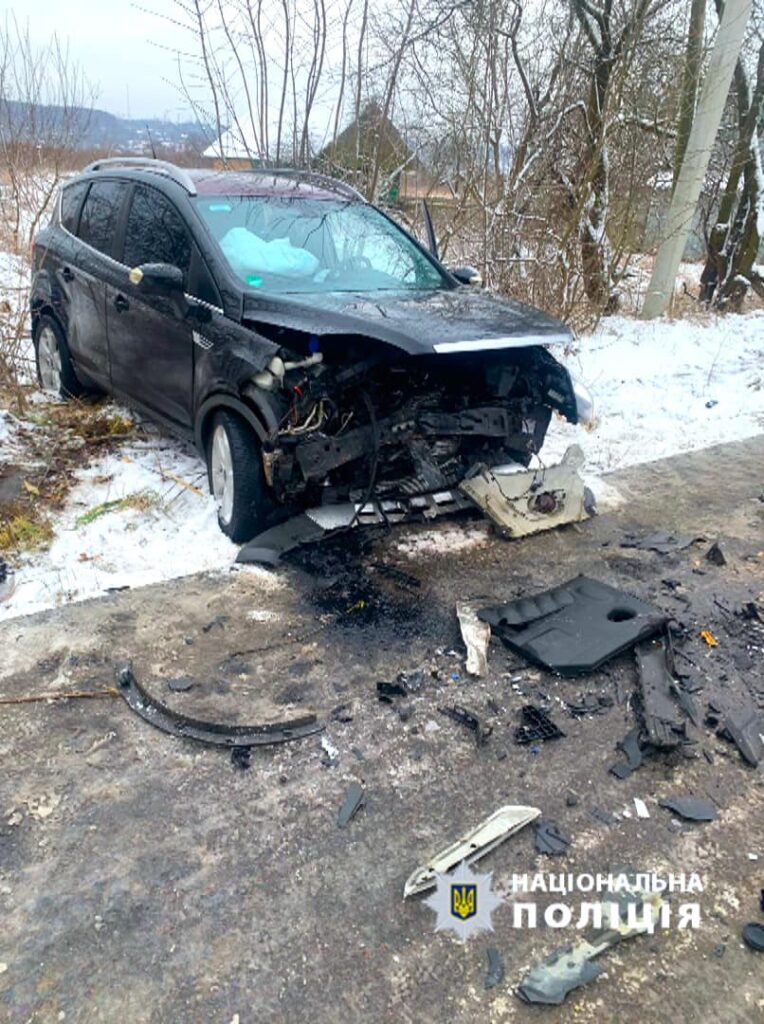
x=44, y=108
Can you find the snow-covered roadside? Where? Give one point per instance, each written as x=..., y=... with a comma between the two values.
x=663, y=387
x=163, y=525
x=660, y=388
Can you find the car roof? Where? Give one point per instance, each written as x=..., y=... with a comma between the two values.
x=261, y=183
x=201, y=181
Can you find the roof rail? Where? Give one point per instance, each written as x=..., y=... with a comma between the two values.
x=319, y=179
x=145, y=163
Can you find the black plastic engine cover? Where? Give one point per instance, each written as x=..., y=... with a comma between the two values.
x=574, y=628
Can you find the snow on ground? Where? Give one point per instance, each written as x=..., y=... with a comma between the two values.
x=660, y=388
x=163, y=525
x=664, y=387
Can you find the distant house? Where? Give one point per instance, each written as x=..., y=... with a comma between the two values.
x=235, y=149
x=370, y=137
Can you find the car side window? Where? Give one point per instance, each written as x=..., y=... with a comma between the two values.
x=71, y=198
x=155, y=232
x=100, y=214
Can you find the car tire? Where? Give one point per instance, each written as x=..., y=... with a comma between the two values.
x=237, y=479
x=55, y=372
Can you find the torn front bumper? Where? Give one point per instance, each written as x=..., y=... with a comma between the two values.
x=519, y=501
x=523, y=501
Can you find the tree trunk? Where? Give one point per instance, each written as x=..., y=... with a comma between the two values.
x=734, y=241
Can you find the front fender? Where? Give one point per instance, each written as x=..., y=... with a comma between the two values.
x=224, y=401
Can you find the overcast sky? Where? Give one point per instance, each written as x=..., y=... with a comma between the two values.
x=119, y=48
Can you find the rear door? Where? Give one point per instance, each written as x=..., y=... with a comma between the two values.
x=150, y=340
x=94, y=267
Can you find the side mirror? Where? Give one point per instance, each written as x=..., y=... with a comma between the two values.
x=158, y=278
x=467, y=275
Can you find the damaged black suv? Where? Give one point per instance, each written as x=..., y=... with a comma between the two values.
x=314, y=351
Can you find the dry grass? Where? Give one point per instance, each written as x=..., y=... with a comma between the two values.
x=54, y=440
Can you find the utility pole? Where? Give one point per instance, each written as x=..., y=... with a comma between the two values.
x=684, y=200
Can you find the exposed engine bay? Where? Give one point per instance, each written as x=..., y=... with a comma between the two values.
x=372, y=422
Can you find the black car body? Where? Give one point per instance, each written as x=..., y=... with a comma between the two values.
x=335, y=392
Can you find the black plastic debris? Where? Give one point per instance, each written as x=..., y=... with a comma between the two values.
x=355, y=798
x=268, y=547
x=690, y=807
x=549, y=839
x=745, y=726
x=341, y=713
x=470, y=721
x=241, y=757
x=495, y=973
x=663, y=543
x=662, y=716
x=753, y=936
x=536, y=725
x=181, y=684
x=220, y=621
x=575, y=628
x=741, y=724
x=157, y=714
x=589, y=704
x=749, y=611
x=632, y=751
x=600, y=814
x=386, y=692
x=715, y=555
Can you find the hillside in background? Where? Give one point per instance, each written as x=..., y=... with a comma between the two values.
x=97, y=129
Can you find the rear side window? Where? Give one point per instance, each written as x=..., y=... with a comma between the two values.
x=98, y=220
x=155, y=232
x=71, y=197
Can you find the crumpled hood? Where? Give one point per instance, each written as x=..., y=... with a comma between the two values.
x=420, y=323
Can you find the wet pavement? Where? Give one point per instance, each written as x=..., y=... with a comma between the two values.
x=147, y=879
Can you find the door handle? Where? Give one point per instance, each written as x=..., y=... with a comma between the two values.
x=68, y=274
x=121, y=304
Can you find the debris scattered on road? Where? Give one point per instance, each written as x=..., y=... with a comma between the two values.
x=176, y=724
x=690, y=807
x=476, y=635
x=470, y=720
x=386, y=692
x=630, y=748
x=219, y=622
x=241, y=757
x=641, y=808
x=549, y=839
x=486, y=836
x=331, y=755
x=180, y=685
x=572, y=966
x=574, y=628
x=663, y=543
x=715, y=555
x=744, y=725
x=536, y=725
x=600, y=814
x=753, y=936
x=495, y=973
x=663, y=718
x=355, y=798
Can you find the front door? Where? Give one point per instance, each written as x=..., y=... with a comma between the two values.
x=150, y=341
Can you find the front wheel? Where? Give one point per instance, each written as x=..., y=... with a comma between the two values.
x=237, y=480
